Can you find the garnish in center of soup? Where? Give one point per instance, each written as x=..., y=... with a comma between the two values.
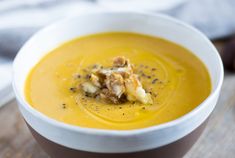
x=117, y=81
x=117, y=84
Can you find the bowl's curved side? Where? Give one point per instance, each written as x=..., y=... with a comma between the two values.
x=176, y=149
x=111, y=141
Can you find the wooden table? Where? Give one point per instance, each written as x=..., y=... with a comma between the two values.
x=218, y=140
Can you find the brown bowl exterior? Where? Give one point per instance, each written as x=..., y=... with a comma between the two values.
x=176, y=149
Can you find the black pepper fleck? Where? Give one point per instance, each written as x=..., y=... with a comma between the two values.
x=88, y=76
x=73, y=89
x=64, y=106
x=154, y=81
x=86, y=94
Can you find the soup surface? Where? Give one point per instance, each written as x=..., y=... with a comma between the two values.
x=177, y=79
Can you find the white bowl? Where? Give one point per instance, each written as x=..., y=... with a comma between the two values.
x=114, y=141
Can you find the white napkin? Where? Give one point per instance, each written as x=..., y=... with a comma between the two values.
x=213, y=17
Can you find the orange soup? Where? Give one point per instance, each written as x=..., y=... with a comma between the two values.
x=176, y=79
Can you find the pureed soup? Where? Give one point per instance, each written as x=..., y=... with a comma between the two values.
x=117, y=81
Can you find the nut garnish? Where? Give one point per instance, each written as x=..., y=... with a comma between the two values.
x=116, y=84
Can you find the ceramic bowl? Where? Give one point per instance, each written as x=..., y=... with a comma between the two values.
x=171, y=139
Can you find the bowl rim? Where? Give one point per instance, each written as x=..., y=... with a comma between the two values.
x=111, y=132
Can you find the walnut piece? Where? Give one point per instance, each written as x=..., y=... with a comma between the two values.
x=135, y=91
x=107, y=96
x=88, y=87
x=120, y=62
x=95, y=80
x=116, y=84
